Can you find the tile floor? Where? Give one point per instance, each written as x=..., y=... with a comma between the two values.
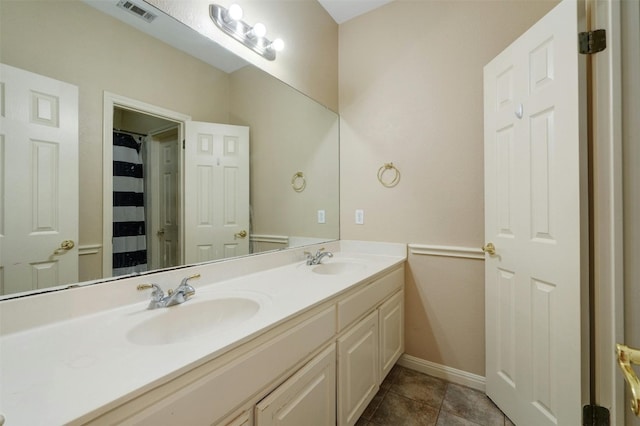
x=408, y=398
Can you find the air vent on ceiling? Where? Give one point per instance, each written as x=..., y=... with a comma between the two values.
x=136, y=10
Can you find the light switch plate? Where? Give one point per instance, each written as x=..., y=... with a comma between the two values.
x=359, y=217
x=321, y=216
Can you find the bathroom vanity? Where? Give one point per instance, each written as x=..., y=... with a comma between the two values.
x=265, y=340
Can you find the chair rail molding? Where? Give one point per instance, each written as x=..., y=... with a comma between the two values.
x=262, y=238
x=87, y=249
x=447, y=251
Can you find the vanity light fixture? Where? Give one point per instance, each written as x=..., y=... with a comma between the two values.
x=230, y=21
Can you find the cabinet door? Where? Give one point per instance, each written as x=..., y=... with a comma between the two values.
x=358, y=369
x=391, y=332
x=306, y=398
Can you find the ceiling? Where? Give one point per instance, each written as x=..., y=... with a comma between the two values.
x=343, y=10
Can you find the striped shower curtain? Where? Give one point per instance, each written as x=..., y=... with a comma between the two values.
x=129, y=235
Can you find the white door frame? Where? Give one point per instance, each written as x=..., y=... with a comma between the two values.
x=111, y=101
x=607, y=235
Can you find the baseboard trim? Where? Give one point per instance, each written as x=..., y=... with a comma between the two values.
x=450, y=374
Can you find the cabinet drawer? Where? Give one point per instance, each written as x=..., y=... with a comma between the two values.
x=367, y=298
x=243, y=419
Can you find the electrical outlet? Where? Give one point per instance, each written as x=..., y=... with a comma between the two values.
x=321, y=216
x=359, y=217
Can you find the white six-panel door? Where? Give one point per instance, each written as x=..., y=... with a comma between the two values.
x=164, y=200
x=216, y=191
x=38, y=181
x=535, y=215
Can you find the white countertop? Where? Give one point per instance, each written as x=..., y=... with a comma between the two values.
x=81, y=367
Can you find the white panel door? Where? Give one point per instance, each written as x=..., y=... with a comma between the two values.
x=536, y=283
x=38, y=181
x=164, y=197
x=216, y=191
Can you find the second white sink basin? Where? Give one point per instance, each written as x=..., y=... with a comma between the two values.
x=338, y=267
x=193, y=318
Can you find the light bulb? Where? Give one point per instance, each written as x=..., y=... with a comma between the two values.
x=277, y=45
x=258, y=30
x=234, y=13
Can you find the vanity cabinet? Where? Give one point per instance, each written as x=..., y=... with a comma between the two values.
x=322, y=366
x=368, y=350
x=307, y=397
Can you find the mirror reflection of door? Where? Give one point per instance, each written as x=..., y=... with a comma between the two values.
x=38, y=181
x=168, y=223
x=216, y=191
x=164, y=199
x=146, y=231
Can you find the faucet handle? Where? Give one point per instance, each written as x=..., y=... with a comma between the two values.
x=157, y=292
x=187, y=289
x=157, y=295
x=190, y=277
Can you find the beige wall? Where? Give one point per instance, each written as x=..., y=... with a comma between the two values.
x=410, y=81
x=72, y=42
x=307, y=143
x=309, y=61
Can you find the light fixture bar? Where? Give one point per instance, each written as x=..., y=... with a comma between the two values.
x=242, y=32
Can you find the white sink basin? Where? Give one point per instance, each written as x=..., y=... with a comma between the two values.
x=338, y=267
x=192, y=319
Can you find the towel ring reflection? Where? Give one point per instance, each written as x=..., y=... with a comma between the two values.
x=394, y=180
x=298, y=182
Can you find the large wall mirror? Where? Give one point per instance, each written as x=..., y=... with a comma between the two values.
x=148, y=113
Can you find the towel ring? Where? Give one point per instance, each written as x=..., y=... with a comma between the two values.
x=396, y=175
x=298, y=182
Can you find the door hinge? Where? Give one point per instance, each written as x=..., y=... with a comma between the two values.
x=592, y=41
x=594, y=415
x=183, y=143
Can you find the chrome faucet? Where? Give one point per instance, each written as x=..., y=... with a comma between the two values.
x=182, y=293
x=174, y=297
x=317, y=258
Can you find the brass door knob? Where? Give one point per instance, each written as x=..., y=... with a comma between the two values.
x=489, y=248
x=626, y=358
x=65, y=246
x=241, y=234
